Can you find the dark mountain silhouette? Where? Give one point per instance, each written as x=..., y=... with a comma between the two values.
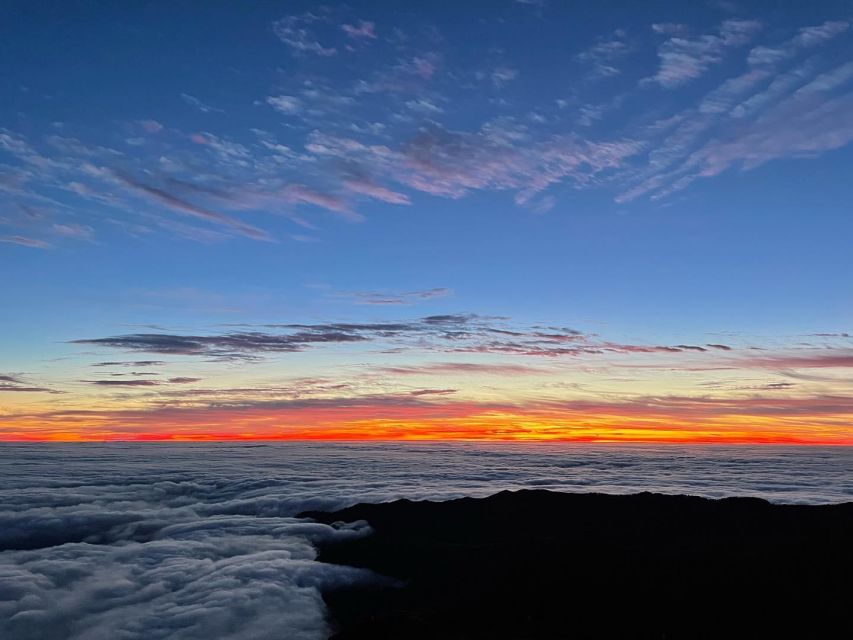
x=539, y=564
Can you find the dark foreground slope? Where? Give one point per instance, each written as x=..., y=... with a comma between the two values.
x=537, y=564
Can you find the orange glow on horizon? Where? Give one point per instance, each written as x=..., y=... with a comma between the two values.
x=690, y=424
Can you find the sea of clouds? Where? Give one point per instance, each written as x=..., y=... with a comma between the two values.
x=191, y=541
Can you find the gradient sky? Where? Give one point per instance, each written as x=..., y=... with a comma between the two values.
x=501, y=220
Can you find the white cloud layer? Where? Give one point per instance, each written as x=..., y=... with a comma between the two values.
x=186, y=542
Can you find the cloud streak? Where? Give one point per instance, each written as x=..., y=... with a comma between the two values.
x=23, y=241
x=459, y=332
x=449, y=333
x=464, y=368
x=14, y=383
x=124, y=383
x=182, y=206
x=391, y=298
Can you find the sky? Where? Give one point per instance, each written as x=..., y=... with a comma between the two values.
x=505, y=220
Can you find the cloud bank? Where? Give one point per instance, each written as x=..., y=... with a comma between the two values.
x=159, y=558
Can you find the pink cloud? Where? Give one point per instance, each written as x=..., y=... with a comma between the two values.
x=25, y=242
x=377, y=192
x=444, y=368
x=815, y=361
x=300, y=194
x=74, y=231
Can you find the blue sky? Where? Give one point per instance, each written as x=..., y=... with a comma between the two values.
x=645, y=173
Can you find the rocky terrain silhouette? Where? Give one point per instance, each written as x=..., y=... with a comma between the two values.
x=540, y=564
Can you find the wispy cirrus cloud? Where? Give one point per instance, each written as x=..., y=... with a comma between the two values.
x=402, y=128
x=500, y=157
x=806, y=123
x=376, y=191
x=32, y=243
x=603, y=57
x=198, y=104
x=288, y=105
x=363, y=30
x=134, y=373
x=392, y=298
x=806, y=38
x=464, y=368
x=176, y=203
x=142, y=383
x=826, y=359
x=802, y=125
x=298, y=33
x=503, y=75
x=16, y=383
x=79, y=231
x=766, y=113
x=301, y=194
x=683, y=59
x=132, y=363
